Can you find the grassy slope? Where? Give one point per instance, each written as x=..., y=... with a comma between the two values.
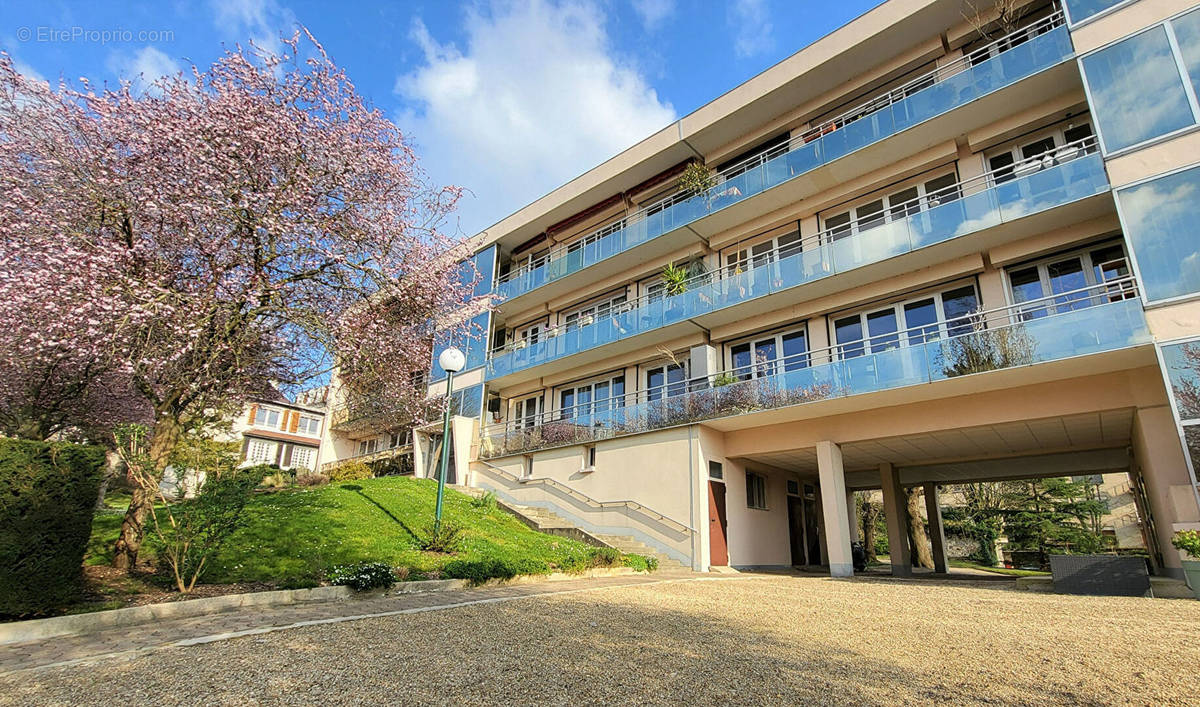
x=293, y=537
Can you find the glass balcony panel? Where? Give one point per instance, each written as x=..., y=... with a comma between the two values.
x=871, y=246
x=1052, y=185
x=888, y=369
x=955, y=218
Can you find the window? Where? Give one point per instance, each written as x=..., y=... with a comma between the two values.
x=531, y=333
x=260, y=452
x=793, y=487
x=589, y=456
x=525, y=412
x=1137, y=86
x=768, y=251
x=756, y=491
x=266, y=417
x=593, y=312
x=309, y=425
x=1080, y=10
x=906, y=323
x=669, y=379
x=399, y=439
x=588, y=398
x=1041, y=151
x=1182, y=361
x=1065, y=275
x=715, y=470
x=1159, y=223
x=302, y=457
x=894, y=206
x=768, y=354
x=753, y=157
x=368, y=446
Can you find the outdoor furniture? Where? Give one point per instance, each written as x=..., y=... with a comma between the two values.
x=1100, y=575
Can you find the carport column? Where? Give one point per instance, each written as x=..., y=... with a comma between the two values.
x=937, y=536
x=852, y=514
x=833, y=509
x=895, y=507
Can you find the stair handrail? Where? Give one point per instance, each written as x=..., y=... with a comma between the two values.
x=563, y=488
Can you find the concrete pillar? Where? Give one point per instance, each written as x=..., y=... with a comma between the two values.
x=833, y=509
x=937, y=535
x=1158, y=455
x=895, y=507
x=818, y=339
x=991, y=289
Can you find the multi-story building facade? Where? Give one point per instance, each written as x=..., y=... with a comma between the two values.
x=936, y=249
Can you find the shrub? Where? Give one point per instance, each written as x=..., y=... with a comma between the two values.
x=696, y=179
x=605, y=556
x=47, y=497
x=311, y=479
x=485, y=503
x=444, y=538
x=363, y=576
x=1188, y=541
x=350, y=471
x=481, y=570
x=641, y=563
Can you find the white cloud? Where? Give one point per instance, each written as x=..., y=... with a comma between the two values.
x=533, y=98
x=142, y=67
x=262, y=21
x=751, y=24
x=653, y=12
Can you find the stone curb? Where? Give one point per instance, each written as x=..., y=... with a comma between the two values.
x=80, y=624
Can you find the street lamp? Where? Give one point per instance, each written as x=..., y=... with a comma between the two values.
x=452, y=361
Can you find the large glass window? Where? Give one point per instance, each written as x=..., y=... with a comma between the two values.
x=671, y=379
x=1160, y=222
x=1187, y=36
x=892, y=207
x=1183, y=371
x=761, y=356
x=1080, y=10
x=1136, y=90
x=1061, y=282
x=595, y=396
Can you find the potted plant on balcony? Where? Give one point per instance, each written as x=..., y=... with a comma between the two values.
x=1188, y=542
x=698, y=180
x=676, y=279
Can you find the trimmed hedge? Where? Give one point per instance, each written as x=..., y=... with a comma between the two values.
x=47, y=498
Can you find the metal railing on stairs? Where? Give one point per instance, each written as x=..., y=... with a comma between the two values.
x=588, y=500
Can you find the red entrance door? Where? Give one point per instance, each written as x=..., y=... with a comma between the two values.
x=718, y=548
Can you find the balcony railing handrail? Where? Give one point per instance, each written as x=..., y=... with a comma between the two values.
x=889, y=98
x=852, y=229
x=1011, y=315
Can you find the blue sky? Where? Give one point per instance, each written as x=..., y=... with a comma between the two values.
x=507, y=98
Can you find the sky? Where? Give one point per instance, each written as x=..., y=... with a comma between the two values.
x=507, y=98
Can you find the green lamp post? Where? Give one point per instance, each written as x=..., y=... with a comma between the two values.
x=452, y=361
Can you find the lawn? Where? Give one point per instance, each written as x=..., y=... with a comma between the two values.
x=293, y=537
x=999, y=570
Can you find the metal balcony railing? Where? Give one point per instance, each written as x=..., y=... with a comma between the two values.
x=1021, y=53
x=1102, y=317
x=1060, y=176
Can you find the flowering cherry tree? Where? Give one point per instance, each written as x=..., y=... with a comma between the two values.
x=227, y=228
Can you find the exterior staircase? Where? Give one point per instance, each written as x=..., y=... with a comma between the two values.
x=549, y=522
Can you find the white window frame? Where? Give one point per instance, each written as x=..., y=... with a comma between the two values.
x=754, y=253
x=261, y=451
x=1084, y=254
x=309, y=425
x=307, y=453
x=1057, y=133
x=265, y=414
x=590, y=385
x=594, y=311
x=771, y=367
x=890, y=212
x=903, y=333
x=684, y=362
x=761, y=479
x=521, y=415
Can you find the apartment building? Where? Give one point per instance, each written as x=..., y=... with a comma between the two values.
x=934, y=249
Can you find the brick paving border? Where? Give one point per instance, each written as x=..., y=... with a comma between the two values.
x=135, y=640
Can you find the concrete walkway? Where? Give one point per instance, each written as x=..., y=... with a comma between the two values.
x=134, y=640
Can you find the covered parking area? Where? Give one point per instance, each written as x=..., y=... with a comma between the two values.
x=1115, y=422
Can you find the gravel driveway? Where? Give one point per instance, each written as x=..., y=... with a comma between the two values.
x=751, y=639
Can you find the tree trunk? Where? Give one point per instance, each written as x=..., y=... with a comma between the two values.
x=869, y=514
x=918, y=539
x=112, y=467
x=162, y=442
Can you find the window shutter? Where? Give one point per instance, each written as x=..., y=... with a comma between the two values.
x=295, y=424
x=253, y=412
x=283, y=421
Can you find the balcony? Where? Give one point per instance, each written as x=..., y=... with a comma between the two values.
x=1082, y=323
x=1069, y=175
x=917, y=102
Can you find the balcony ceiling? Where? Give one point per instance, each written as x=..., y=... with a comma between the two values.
x=1054, y=446
x=874, y=37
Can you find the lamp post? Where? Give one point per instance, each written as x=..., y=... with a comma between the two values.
x=452, y=361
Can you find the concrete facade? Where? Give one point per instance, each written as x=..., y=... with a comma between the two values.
x=911, y=270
